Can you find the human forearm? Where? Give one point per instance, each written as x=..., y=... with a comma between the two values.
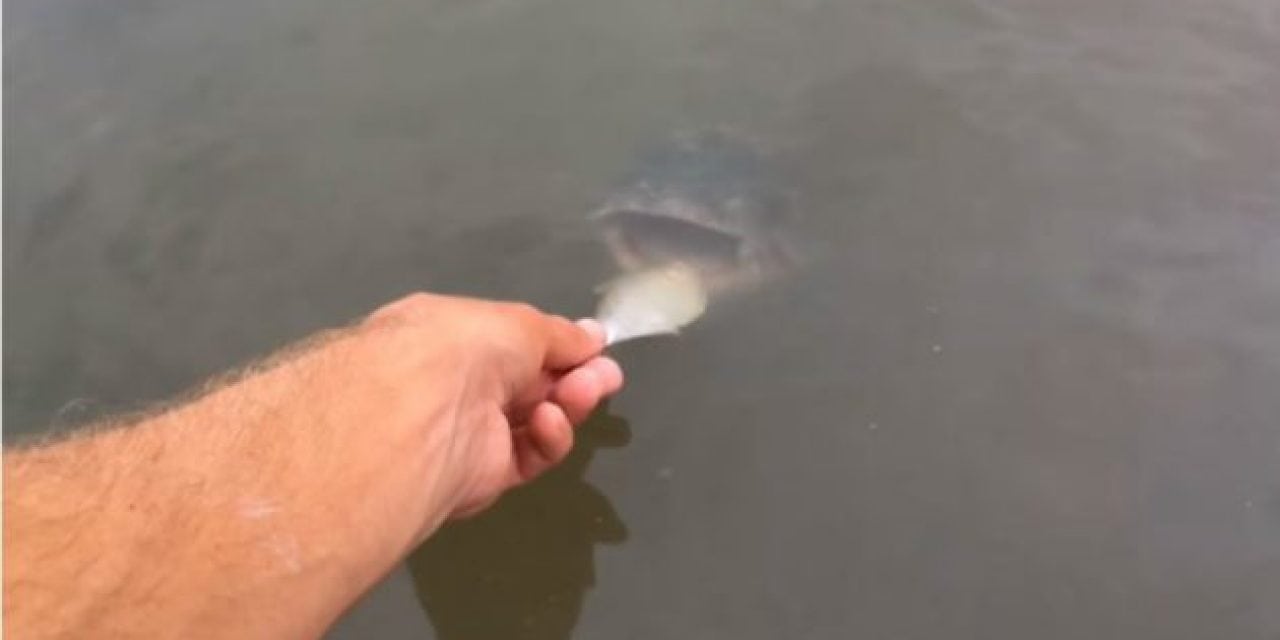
x=231, y=516
x=265, y=507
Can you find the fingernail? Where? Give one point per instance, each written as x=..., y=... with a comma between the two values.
x=593, y=327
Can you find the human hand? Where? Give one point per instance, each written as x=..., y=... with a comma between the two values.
x=512, y=381
x=311, y=473
x=429, y=409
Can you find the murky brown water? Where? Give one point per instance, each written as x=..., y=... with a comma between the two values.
x=1025, y=387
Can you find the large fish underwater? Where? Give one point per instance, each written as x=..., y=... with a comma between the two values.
x=701, y=215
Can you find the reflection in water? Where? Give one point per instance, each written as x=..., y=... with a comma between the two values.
x=522, y=569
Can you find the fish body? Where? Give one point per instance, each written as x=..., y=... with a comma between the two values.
x=708, y=202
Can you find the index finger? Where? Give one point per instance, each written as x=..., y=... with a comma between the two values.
x=570, y=344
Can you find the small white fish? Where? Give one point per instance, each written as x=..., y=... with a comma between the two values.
x=652, y=302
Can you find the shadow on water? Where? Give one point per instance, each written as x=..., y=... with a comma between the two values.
x=522, y=569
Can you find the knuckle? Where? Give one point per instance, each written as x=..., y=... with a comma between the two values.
x=524, y=309
x=524, y=313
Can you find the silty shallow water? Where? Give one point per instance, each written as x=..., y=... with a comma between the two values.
x=1025, y=387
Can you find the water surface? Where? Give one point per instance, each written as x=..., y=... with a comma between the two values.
x=1025, y=387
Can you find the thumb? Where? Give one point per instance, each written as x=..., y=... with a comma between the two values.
x=569, y=344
